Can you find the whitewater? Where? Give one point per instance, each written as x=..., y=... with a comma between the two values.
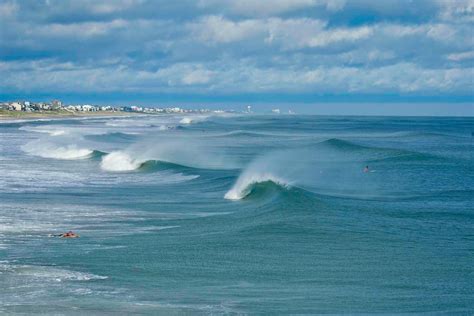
x=237, y=214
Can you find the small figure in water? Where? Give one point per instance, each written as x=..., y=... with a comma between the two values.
x=69, y=234
x=366, y=169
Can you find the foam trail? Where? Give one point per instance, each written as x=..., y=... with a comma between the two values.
x=47, y=130
x=48, y=150
x=120, y=161
x=46, y=272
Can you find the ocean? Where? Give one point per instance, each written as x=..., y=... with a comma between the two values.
x=237, y=214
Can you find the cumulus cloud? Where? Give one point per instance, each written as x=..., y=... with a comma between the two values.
x=237, y=47
x=217, y=29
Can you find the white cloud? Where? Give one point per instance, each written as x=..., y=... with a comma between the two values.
x=288, y=33
x=340, y=35
x=234, y=47
x=107, y=7
x=461, y=56
x=87, y=29
x=8, y=9
x=198, y=76
x=456, y=10
x=239, y=78
x=441, y=32
x=220, y=30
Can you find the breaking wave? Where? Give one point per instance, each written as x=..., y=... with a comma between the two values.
x=120, y=161
x=332, y=167
x=193, y=119
x=186, y=120
x=246, y=182
x=48, y=150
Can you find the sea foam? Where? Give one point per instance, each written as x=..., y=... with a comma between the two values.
x=49, y=150
x=186, y=120
x=120, y=161
x=47, y=272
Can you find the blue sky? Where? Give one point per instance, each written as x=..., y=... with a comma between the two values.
x=218, y=51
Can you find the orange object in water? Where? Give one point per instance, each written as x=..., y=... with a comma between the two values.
x=69, y=234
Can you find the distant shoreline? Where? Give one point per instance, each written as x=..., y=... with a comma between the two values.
x=18, y=115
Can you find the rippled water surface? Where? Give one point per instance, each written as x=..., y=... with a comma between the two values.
x=237, y=214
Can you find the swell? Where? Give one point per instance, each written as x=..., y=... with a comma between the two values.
x=379, y=154
x=113, y=137
x=330, y=168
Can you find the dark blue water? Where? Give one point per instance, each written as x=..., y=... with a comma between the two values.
x=237, y=214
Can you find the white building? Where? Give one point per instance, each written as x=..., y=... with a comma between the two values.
x=15, y=106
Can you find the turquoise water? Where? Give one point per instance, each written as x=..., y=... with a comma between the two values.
x=237, y=215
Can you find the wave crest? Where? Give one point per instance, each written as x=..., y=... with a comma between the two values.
x=186, y=120
x=47, y=150
x=120, y=161
x=244, y=184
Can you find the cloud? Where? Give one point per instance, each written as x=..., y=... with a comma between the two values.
x=8, y=9
x=266, y=8
x=86, y=29
x=217, y=29
x=237, y=47
x=461, y=56
x=459, y=10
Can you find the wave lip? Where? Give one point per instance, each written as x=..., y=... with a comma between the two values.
x=244, y=184
x=120, y=161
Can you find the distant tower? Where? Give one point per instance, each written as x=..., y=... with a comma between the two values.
x=249, y=109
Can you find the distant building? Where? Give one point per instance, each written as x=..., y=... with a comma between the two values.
x=56, y=104
x=136, y=108
x=15, y=106
x=276, y=111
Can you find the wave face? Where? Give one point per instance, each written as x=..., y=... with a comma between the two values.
x=248, y=179
x=331, y=167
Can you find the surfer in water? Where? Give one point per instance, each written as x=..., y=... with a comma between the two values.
x=69, y=234
x=366, y=169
